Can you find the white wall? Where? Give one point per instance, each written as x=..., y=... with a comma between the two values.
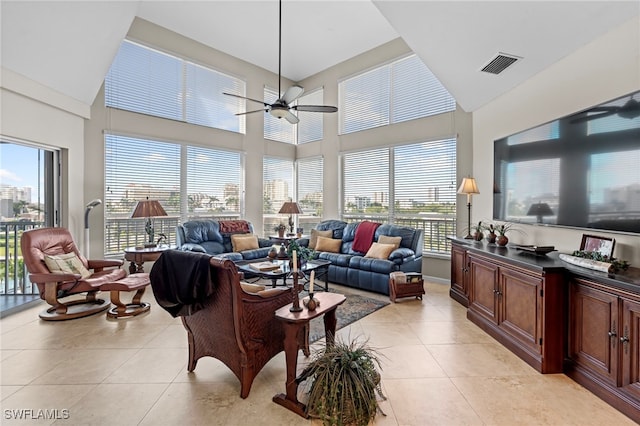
x=38, y=115
x=605, y=69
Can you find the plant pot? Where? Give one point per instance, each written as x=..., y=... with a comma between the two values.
x=502, y=240
x=478, y=236
x=281, y=233
x=491, y=237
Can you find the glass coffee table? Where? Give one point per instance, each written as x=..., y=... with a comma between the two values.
x=278, y=269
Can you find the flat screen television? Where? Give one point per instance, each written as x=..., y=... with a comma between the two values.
x=579, y=171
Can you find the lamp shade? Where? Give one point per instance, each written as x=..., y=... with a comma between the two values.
x=148, y=208
x=290, y=207
x=468, y=186
x=540, y=209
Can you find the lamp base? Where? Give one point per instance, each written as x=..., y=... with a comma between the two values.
x=468, y=237
x=150, y=245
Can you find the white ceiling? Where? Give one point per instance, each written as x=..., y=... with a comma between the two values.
x=69, y=45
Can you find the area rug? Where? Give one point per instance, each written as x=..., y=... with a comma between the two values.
x=354, y=308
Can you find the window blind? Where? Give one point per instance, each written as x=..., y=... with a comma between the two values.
x=277, y=129
x=213, y=182
x=310, y=191
x=366, y=182
x=147, y=81
x=402, y=90
x=310, y=125
x=277, y=181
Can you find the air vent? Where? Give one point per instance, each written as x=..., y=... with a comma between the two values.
x=501, y=62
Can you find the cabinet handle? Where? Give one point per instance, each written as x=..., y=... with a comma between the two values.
x=624, y=339
x=612, y=334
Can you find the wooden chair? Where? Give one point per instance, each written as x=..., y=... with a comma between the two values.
x=43, y=244
x=237, y=324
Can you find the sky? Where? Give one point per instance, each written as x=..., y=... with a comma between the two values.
x=19, y=167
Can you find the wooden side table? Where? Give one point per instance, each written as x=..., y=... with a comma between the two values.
x=294, y=324
x=137, y=256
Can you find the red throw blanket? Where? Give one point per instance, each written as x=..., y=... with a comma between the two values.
x=364, y=236
x=234, y=226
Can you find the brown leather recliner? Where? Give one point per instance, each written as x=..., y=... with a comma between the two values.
x=103, y=275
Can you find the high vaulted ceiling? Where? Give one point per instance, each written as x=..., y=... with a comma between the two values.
x=69, y=45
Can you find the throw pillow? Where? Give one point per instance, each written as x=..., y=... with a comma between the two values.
x=68, y=263
x=315, y=234
x=242, y=242
x=385, y=239
x=380, y=251
x=328, y=244
x=251, y=288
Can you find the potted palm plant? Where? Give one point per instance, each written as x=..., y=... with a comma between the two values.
x=343, y=384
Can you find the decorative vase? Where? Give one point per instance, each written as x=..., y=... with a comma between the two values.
x=491, y=237
x=502, y=240
x=273, y=253
x=311, y=304
x=478, y=236
x=281, y=232
x=282, y=253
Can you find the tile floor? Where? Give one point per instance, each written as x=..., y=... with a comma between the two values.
x=438, y=369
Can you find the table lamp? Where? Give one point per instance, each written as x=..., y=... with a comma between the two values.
x=468, y=187
x=149, y=209
x=290, y=208
x=539, y=210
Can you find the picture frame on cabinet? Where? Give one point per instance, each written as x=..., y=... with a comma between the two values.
x=602, y=245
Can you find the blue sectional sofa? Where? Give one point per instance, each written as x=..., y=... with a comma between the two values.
x=353, y=269
x=204, y=236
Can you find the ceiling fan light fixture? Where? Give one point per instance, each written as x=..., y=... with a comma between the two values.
x=278, y=112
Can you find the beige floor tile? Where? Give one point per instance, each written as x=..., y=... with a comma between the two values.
x=150, y=366
x=432, y=401
x=80, y=366
x=122, y=404
x=55, y=398
x=30, y=364
x=172, y=336
x=479, y=359
x=6, y=391
x=8, y=353
x=408, y=362
x=438, y=333
x=383, y=335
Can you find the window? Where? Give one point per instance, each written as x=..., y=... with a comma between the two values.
x=188, y=181
x=277, y=181
x=151, y=82
x=277, y=129
x=411, y=185
x=310, y=127
x=310, y=182
x=402, y=90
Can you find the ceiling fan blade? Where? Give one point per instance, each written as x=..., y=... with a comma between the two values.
x=250, y=112
x=244, y=97
x=291, y=118
x=315, y=108
x=292, y=94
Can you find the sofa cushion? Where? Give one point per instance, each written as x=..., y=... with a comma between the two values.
x=380, y=266
x=211, y=247
x=68, y=263
x=336, y=259
x=379, y=251
x=337, y=226
x=316, y=233
x=407, y=234
x=331, y=245
x=385, y=239
x=198, y=231
x=242, y=242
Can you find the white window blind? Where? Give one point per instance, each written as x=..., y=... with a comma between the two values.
x=277, y=129
x=310, y=190
x=425, y=178
x=151, y=82
x=277, y=181
x=366, y=183
x=400, y=91
x=213, y=182
x=310, y=125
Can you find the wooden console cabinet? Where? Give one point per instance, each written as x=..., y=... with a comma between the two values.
x=519, y=306
x=557, y=317
x=604, y=343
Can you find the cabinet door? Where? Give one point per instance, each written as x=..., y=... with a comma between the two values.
x=630, y=346
x=482, y=287
x=521, y=307
x=459, y=270
x=593, y=330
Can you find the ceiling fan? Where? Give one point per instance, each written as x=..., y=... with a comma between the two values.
x=630, y=110
x=282, y=107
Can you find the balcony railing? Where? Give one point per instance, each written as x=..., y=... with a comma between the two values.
x=14, y=278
